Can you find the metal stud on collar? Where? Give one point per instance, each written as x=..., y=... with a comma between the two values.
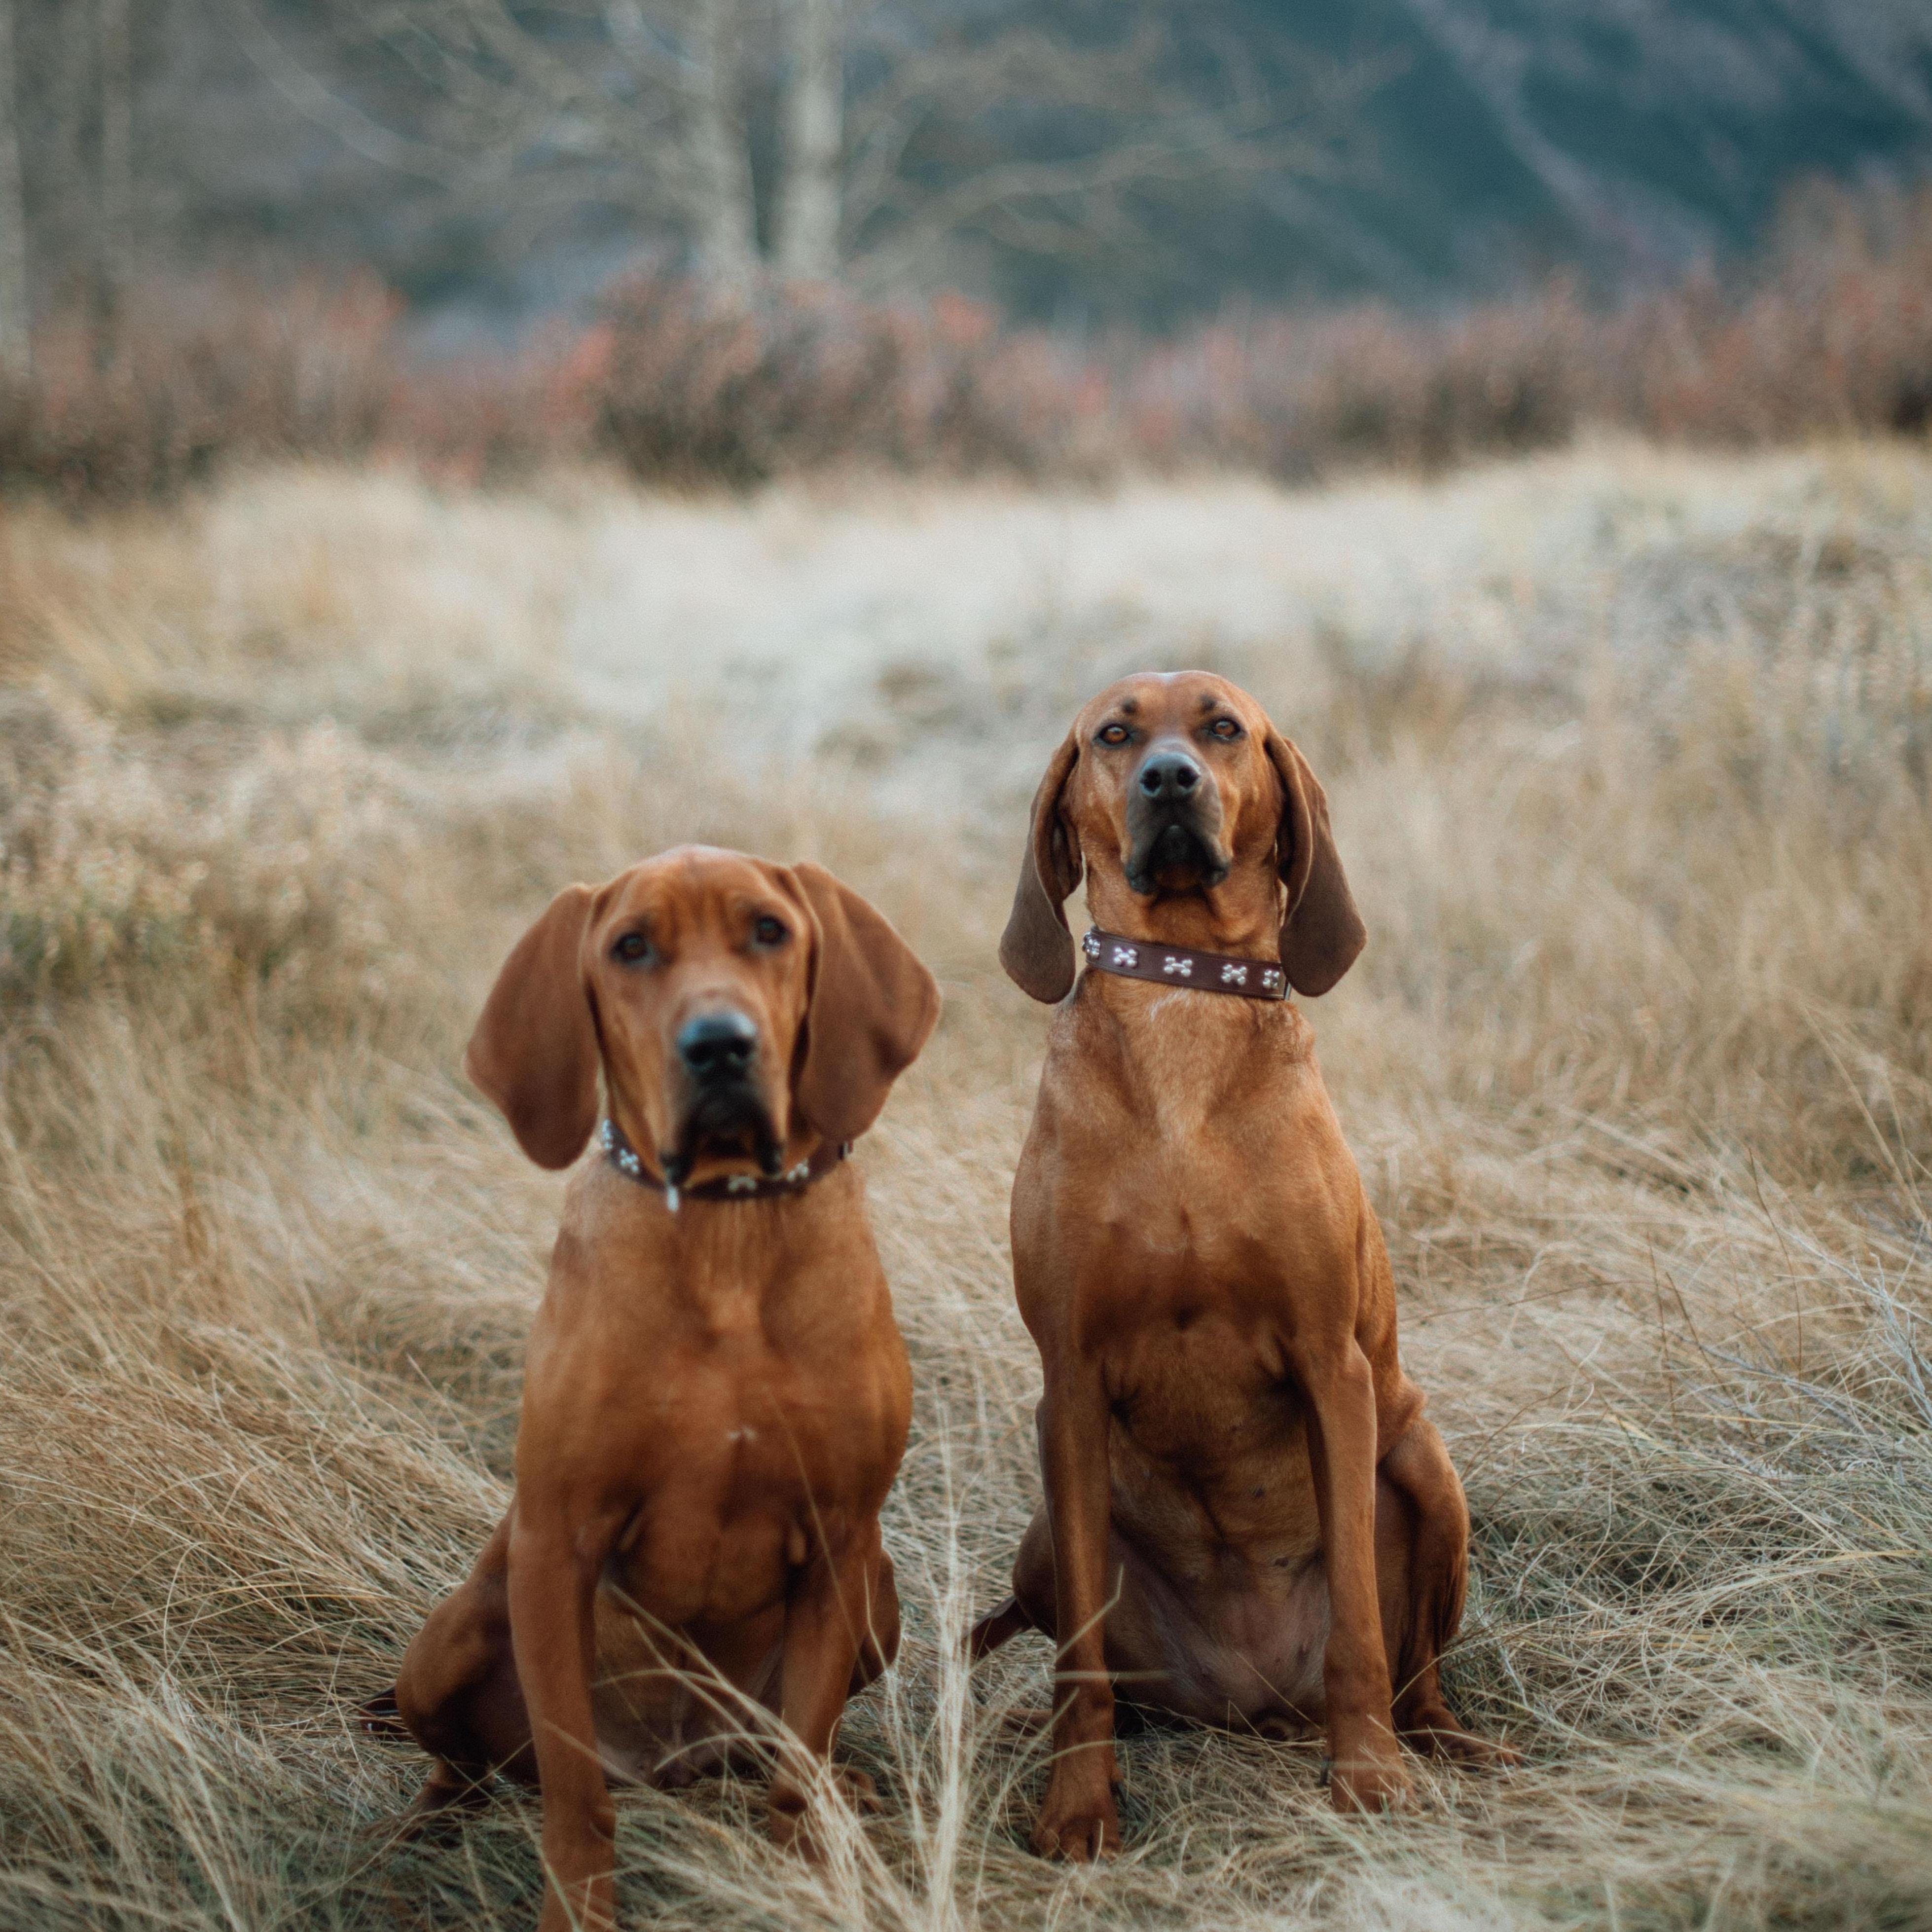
x=613, y=1143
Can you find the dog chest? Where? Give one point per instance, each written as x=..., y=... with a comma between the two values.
x=1203, y=1392
x=738, y=1470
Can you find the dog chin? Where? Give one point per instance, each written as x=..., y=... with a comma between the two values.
x=736, y=1126
x=1176, y=858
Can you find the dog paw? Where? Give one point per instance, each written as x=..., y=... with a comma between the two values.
x=1437, y=1734
x=437, y=1816
x=1368, y=1786
x=789, y=1810
x=858, y=1789
x=790, y=1829
x=1079, y=1829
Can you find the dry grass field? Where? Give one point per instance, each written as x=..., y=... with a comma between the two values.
x=1629, y=756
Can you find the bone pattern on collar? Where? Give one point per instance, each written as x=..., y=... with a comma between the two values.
x=795, y=1180
x=1184, y=966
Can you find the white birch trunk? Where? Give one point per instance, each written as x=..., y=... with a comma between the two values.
x=809, y=208
x=15, y=309
x=116, y=265
x=727, y=224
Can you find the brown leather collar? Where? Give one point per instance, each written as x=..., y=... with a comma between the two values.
x=1185, y=966
x=727, y=1186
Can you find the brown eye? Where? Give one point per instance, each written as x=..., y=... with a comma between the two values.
x=1114, y=734
x=1226, y=728
x=631, y=948
x=769, y=932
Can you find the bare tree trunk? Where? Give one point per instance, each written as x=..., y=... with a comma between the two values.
x=15, y=309
x=116, y=266
x=727, y=225
x=814, y=115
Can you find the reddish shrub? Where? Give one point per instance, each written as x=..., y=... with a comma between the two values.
x=193, y=373
x=690, y=384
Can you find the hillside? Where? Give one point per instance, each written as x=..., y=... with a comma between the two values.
x=1455, y=146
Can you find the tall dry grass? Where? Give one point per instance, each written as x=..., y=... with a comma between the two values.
x=1628, y=757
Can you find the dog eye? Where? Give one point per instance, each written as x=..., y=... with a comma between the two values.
x=1225, y=728
x=1114, y=734
x=769, y=932
x=631, y=948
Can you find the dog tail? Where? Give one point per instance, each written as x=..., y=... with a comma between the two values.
x=996, y=1627
x=381, y=1716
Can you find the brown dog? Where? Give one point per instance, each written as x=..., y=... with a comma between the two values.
x=716, y=1398
x=1247, y=1518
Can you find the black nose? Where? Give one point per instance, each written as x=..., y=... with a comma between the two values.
x=1169, y=775
x=714, y=1046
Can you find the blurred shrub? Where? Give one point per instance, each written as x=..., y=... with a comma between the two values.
x=1829, y=334
x=690, y=384
x=284, y=875
x=193, y=374
x=698, y=383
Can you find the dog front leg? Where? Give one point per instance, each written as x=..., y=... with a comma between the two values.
x=1366, y=1773
x=1078, y=1819
x=840, y=1626
x=556, y=1556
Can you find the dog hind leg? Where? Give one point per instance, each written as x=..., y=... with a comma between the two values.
x=457, y=1695
x=880, y=1645
x=1423, y=1609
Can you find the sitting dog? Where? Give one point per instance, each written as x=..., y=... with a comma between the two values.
x=1247, y=1518
x=716, y=1397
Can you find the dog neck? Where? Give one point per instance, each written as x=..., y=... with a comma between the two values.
x=1239, y=918
x=633, y=1156
x=727, y=1266
x=1163, y=1036
x=728, y=1185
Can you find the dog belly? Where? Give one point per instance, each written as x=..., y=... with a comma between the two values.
x=674, y=1703
x=1225, y=1602
x=690, y=1621
x=1224, y=1592
x=1247, y=1653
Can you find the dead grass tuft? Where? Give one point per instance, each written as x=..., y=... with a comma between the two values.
x=1628, y=755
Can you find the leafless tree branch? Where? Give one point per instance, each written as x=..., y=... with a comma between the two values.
x=15, y=305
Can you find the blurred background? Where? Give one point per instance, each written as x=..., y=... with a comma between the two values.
x=725, y=238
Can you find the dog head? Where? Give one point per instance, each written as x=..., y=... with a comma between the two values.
x=1174, y=789
x=732, y=1005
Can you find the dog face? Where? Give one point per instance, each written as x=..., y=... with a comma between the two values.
x=698, y=967
x=730, y=1003
x=1172, y=782
x=1177, y=787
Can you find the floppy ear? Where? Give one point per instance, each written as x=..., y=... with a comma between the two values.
x=534, y=1051
x=1321, y=932
x=872, y=1005
x=1037, y=949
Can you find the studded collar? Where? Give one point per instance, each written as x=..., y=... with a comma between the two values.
x=1185, y=966
x=795, y=1180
